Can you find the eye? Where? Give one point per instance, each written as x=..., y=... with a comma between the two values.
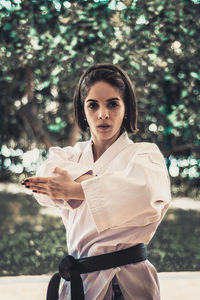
x=113, y=104
x=93, y=105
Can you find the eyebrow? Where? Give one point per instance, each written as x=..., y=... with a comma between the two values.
x=108, y=100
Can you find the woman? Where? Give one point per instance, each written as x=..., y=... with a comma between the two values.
x=112, y=192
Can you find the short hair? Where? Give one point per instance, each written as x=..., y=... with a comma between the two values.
x=114, y=76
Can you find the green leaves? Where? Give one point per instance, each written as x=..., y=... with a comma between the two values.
x=57, y=127
x=156, y=42
x=195, y=75
x=184, y=93
x=7, y=27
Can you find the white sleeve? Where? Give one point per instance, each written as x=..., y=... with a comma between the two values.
x=64, y=158
x=137, y=195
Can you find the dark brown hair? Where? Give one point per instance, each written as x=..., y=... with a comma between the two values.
x=116, y=77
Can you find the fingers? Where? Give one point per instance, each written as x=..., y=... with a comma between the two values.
x=59, y=171
x=37, y=188
x=39, y=180
x=43, y=185
x=35, y=180
x=37, y=184
x=40, y=190
x=54, y=187
x=53, y=195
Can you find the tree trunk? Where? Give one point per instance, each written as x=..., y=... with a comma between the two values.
x=29, y=111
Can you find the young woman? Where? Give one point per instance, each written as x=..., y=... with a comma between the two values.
x=112, y=193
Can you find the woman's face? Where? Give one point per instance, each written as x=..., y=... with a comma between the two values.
x=104, y=110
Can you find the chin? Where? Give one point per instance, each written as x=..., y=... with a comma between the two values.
x=110, y=135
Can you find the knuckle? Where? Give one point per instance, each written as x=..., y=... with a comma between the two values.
x=50, y=181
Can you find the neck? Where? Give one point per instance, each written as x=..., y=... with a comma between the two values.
x=99, y=149
x=99, y=146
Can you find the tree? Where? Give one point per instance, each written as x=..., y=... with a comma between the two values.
x=46, y=45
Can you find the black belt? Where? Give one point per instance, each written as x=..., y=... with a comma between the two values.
x=71, y=268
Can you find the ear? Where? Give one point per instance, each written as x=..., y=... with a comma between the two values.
x=86, y=123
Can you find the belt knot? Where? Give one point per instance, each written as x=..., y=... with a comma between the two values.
x=71, y=269
x=66, y=266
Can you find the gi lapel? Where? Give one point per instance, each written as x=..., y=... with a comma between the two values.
x=120, y=144
x=87, y=156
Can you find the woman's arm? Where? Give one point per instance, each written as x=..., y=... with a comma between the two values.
x=41, y=183
x=60, y=187
x=137, y=195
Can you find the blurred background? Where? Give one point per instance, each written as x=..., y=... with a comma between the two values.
x=45, y=45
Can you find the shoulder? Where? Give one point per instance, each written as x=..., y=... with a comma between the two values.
x=149, y=150
x=80, y=146
x=70, y=152
x=143, y=147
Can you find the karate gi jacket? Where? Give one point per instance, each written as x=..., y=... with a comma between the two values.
x=124, y=203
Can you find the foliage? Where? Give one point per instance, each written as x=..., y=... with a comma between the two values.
x=45, y=46
x=14, y=208
x=21, y=211
x=32, y=243
x=30, y=253
x=175, y=246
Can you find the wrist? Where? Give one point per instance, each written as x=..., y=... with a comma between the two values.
x=77, y=191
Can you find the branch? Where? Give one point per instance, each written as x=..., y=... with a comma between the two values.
x=29, y=114
x=36, y=124
x=180, y=149
x=29, y=83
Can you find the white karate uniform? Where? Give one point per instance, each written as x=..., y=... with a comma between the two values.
x=124, y=203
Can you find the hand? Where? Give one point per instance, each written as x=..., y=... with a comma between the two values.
x=56, y=187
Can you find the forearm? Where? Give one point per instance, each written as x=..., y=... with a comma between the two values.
x=58, y=187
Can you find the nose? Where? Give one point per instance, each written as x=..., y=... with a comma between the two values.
x=103, y=114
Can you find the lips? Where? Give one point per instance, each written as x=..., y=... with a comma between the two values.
x=104, y=126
